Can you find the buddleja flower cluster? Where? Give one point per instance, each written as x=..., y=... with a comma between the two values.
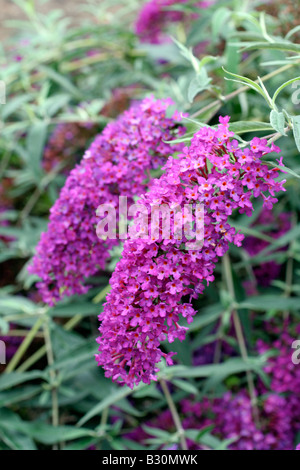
x=155, y=281
x=154, y=17
x=117, y=163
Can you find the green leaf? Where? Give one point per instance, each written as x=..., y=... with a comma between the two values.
x=280, y=46
x=17, y=396
x=128, y=408
x=296, y=130
x=207, y=315
x=76, y=355
x=12, y=379
x=248, y=82
x=233, y=58
x=35, y=143
x=198, y=84
x=185, y=386
x=53, y=104
x=160, y=433
x=111, y=399
x=47, y=434
x=132, y=445
x=289, y=82
x=188, y=55
x=252, y=232
x=150, y=391
x=196, y=435
x=249, y=126
x=69, y=310
x=62, y=81
x=207, y=59
x=292, y=31
x=285, y=169
x=17, y=304
x=225, y=444
x=231, y=366
x=15, y=440
x=11, y=435
x=265, y=254
x=219, y=18
x=81, y=444
x=210, y=441
x=277, y=121
x=264, y=303
x=14, y=104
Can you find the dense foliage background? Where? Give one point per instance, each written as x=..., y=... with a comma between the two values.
x=234, y=384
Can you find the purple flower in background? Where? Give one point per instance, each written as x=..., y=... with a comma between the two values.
x=117, y=163
x=231, y=416
x=66, y=144
x=154, y=17
x=172, y=447
x=285, y=376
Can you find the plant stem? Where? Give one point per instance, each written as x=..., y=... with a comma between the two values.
x=5, y=161
x=219, y=102
x=22, y=334
x=289, y=271
x=240, y=337
x=104, y=417
x=24, y=346
x=175, y=414
x=288, y=282
x=32, y=359
x=39, y=191
x=50, y=357
x=40, y=352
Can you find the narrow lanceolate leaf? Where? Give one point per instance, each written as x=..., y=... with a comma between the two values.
x=242, y=127
x=219, y=19
x=280, y=46
x=61, y=80
x=45, y=433
x=7, y=381
x=277, y=121
x=296, y=130
x=264, y=303
x=246, y=81
x=111, y=399
x=35, y=145
x=198, y=84
x=285, y=169
x=289, y=82
x=227, y=368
